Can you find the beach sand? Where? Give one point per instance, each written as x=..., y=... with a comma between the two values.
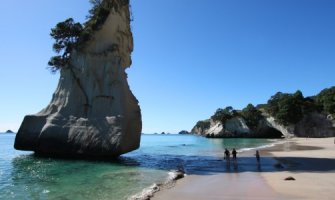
x=310, y=161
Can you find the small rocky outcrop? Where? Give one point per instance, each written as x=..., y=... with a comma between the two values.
x=290, y=178
x=9, y=131
x=92, y=112
x=183, y=132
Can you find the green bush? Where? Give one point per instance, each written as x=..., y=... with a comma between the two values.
x=251, y=115
x=326, y=100
x=222, y=115
x=286, y=108
x=69, y=35
x=66, y=35
x=205, y=124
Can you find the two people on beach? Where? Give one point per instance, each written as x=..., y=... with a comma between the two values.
x=227, y=154
x=227, y=157
x=234, y=153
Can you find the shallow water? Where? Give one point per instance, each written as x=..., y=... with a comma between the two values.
x=25, y=176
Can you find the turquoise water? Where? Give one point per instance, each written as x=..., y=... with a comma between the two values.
x=25, y=176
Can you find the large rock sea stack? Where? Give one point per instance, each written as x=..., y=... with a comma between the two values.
x=92, y=112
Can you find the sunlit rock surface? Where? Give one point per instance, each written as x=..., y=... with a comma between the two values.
x=92, y=112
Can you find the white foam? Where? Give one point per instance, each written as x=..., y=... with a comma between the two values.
x=148, y=192
x=45, y=191
x=275, y=142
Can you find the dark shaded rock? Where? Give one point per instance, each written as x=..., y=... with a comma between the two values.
x=183, y=132
x=315, y=125
x=290, y=178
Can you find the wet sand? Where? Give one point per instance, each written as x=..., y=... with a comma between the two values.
x=310, y=161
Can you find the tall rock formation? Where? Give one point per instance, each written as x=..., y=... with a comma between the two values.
x=92, y=112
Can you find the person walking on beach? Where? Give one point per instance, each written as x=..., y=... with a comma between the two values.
x=234, y=157
x=227, y=155
x=234, y=154
x=257, y=156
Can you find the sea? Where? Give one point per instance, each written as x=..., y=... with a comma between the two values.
x=24, y=175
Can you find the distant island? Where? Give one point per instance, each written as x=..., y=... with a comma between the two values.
x=183, y=132
x=284, y=115
x=9, y=131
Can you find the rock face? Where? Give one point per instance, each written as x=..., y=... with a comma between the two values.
x=183, y=132
x=92, y=112
x=311, y=125
x=287, y=131
x=236, y=125
x=315, y=125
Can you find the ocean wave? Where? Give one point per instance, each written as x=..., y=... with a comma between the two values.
x=149, y=192
x=274, y=143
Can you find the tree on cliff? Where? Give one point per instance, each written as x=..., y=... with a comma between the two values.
x=286, y=108
x=66, y=35
x=203, y=125
x=326, y=100
x=222, y=115
x=69, y=35
x=251, y=115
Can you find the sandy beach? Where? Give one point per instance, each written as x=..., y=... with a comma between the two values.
x=311, y=162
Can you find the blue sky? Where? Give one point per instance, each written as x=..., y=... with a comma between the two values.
x=190, y=57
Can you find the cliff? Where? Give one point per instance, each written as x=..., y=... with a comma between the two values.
x=311, y=125
x=284, y=115
x=92, y=112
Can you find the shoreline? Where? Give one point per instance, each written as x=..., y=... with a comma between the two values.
x=178, y=174
x=311, y=161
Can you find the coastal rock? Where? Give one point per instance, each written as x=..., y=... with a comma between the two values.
x=315, y=125
x=287, y=131
x=178, y=174
x=237, y=125
x=198, y=131
x=9, y=131
x=183, y=132
x=290, y=178
x=311, y=125
x=264, y=130
x=92, y=112
x=215, y=130
x=234, y=126
x=202, y=127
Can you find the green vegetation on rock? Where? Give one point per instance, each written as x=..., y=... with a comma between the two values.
x=204, y=124
x=222, y=115
x=66, y=35
x=326, y=100
x=70, y=35
x=286, y=108
x=251, y=115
